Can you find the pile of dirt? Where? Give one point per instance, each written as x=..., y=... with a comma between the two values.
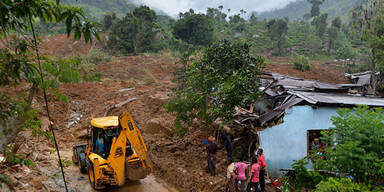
x=181, y=162
x=323, y=71
x=62, y=45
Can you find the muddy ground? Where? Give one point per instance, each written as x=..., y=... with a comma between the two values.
x=179, y=164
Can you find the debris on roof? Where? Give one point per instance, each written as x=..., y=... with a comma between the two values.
x=286, y=91
x=363, y=78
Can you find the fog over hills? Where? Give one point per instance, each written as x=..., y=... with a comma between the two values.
x=173, y=7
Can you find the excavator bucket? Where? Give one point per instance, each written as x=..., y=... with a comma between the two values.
x=135, y=171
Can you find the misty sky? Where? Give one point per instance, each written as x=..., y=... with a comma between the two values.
x=173, y=7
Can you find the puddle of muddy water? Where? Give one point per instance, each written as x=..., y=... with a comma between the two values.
x=148, y=184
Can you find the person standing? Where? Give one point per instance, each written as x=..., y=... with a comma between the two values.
x=241, y=168
x=253, y=181
x=227, y=143
x=212, y=148
x=231, y=176
x=261, y=162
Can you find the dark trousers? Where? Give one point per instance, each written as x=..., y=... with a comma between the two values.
x=242, y=185
x=262, y=180
x=229, y=156
x=211, y=158
x=253, y=185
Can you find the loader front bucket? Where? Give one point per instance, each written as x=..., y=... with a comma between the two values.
x=134, y=172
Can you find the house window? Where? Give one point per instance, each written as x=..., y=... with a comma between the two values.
x=315, y=142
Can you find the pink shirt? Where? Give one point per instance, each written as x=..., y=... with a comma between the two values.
x=255, y=170
x=240, y=168
x=261, y=162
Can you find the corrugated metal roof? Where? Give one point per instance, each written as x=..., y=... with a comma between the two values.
x=289, y=82
x=280, y=109
x=340, y=99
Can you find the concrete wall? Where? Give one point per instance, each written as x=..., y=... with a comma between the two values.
x=288, y=141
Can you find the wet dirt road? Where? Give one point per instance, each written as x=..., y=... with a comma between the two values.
x=78, y=182
x=145, y=185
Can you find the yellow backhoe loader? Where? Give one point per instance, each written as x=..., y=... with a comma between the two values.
x=115, y=152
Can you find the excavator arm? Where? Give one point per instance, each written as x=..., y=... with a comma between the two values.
x=133, y=135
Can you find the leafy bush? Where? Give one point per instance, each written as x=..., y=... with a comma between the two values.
x=343, y=185
x=303, y=178
x=357, y=144
x=134, y=33
x=196, y=29
x=96, y=56
x=302, y=63
x=219, y=78
x=17, y=159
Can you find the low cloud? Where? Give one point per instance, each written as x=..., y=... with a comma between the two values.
x=173, y=7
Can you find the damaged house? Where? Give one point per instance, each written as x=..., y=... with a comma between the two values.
x=299, y=110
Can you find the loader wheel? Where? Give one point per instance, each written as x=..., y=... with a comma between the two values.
x=75, y=158
x=82, y=163
x=91, y=177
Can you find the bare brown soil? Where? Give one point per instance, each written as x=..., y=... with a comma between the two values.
x=324, y=71
x=179, y=162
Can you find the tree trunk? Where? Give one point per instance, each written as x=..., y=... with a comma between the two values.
x=32, y=92
x=373, y=72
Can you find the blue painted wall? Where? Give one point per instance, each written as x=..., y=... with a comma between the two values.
x=288, y=141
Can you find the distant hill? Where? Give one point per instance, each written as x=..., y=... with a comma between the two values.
x=296, y=10
x=97, y=8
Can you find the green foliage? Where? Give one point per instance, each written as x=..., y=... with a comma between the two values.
x=315, y=10
x=302, y=63
x=15, y=65
x=5, y=179
x=109, y=20
x=357, y=144
x=277, y=30
x=98, y=8
x=135, y=33
x=345, y=50
x=321, y=24
x=196, y=29
x=17, y=159
x=332, y=37
x=369, y=21
x=344, y=185
x=65, y=162
x=303, y=177
x=217, y=16
x=337, y=23
x=296, y=9
x=96, y=56
x=221, y=77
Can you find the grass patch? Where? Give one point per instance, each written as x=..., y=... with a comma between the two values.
x=149, y=78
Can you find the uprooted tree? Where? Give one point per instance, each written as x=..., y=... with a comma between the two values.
x=213, y=83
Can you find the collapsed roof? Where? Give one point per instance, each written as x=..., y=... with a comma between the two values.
x=287, y=91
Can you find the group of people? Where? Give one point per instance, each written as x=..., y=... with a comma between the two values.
x=237, y=171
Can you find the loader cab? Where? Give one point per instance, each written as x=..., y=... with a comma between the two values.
x=104, y=129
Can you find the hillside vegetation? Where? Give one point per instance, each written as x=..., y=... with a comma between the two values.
x=97, y=8
x=296, y=10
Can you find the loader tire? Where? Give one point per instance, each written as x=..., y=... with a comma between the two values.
x=82, y=163
x=91, y=177
x=75, y=157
